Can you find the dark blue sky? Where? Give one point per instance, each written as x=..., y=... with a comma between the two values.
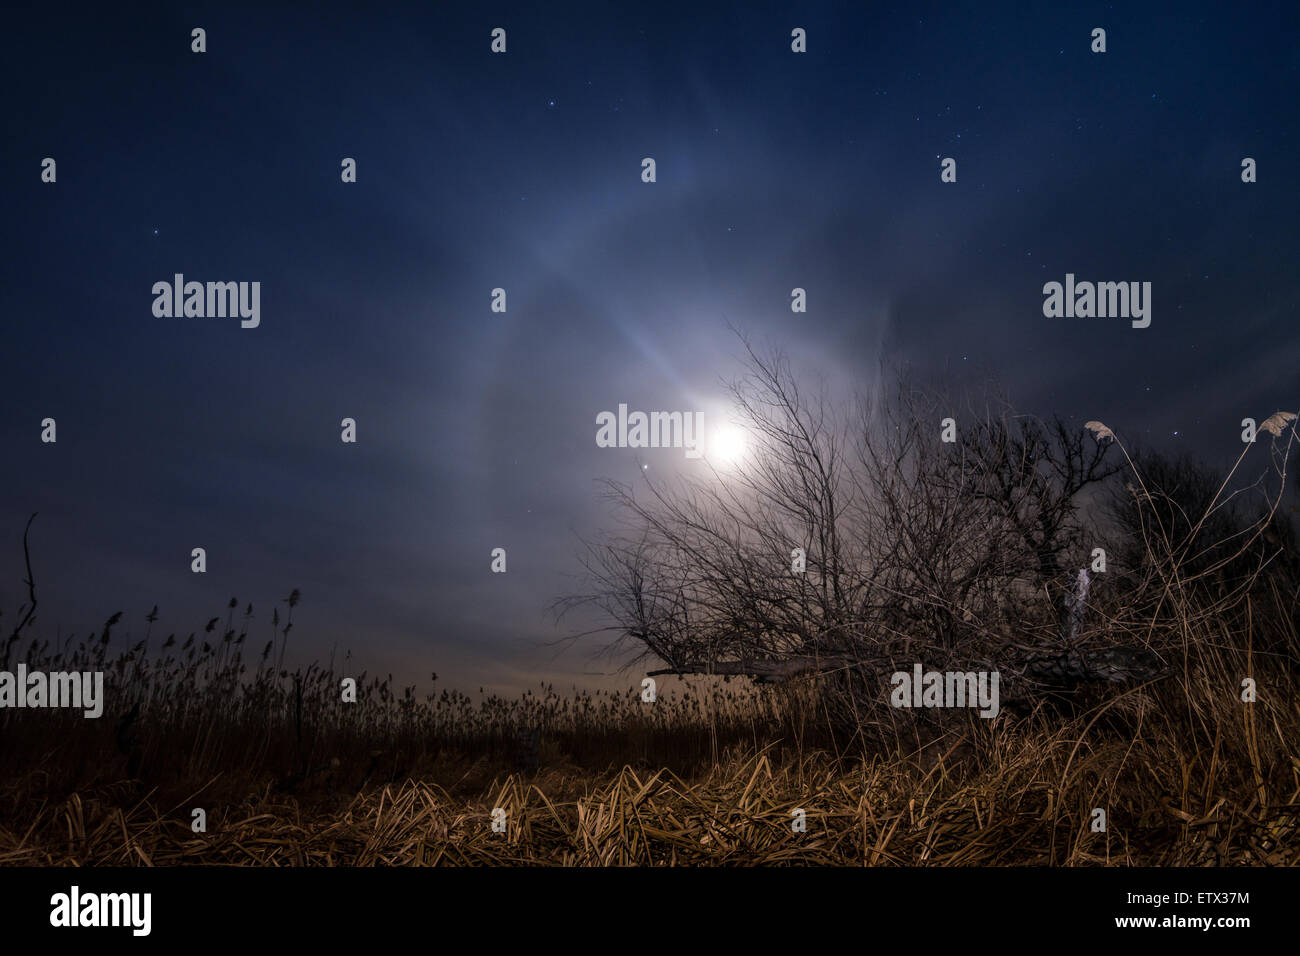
x=522, y=171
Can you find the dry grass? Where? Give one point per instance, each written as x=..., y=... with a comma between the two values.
x=1187, y=775
x=1014, y=811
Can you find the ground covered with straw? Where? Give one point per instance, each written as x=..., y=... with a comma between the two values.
x=1032, y=806
x=279, y=771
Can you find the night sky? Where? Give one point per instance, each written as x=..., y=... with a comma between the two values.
x=476, y=429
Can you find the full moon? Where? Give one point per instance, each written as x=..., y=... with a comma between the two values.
x=727, y=446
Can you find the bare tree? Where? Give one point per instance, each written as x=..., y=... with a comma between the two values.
x=913, y=549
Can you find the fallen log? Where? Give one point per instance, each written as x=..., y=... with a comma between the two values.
x=1109, y=665
x=1113, y=665
x=763, y=672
